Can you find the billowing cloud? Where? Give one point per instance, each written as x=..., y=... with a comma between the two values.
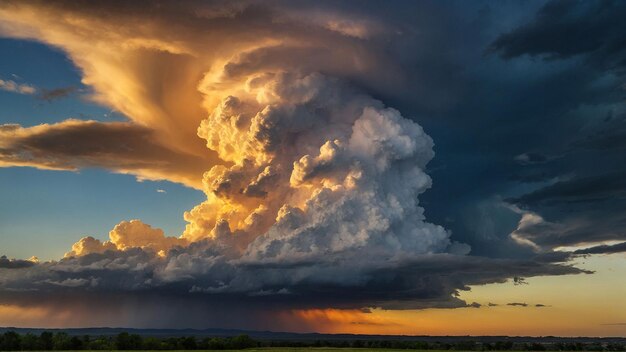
x=317, y=167
x=136, y=234
x=312, y=184
x=87, y=245
x=127, y=235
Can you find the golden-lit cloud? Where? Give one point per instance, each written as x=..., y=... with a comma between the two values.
x=167, y=82
x=127, y=235
x=118, y=146
x=136, y=234
x=151, y=74
x=88, y=245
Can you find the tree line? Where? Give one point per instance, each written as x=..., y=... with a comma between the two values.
x=61, y=341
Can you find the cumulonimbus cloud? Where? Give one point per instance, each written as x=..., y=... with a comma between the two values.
x=311, y=183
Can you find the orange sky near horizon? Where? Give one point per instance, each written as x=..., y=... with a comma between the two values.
x=581, y=305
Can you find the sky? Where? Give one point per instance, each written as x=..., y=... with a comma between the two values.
x=430, y=167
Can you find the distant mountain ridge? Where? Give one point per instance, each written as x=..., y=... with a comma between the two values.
x=292, y=336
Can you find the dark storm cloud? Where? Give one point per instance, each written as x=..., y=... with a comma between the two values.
x=581, y=210
x=580, y=193
x=609, y=137
x=553, y=257
x=603, y=249
x=564, y=29
x=533, y=120
x=578, y=190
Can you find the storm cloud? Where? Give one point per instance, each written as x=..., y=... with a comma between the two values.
x=332, y=147
x=584, y=195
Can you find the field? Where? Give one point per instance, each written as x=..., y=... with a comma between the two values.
x=312, y=349
x=298, y=349
x=295, y=349
x=322, y=349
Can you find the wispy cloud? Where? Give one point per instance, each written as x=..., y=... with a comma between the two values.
x=119, y=146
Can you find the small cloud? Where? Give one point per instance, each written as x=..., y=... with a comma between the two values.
x=517, y=304
x=57, y=93
x=492, y=304
x=519, y=281
x=372, y=323
x=68, y=282
x=161, y=191
x=474, y=305
x=531, y=158
x=282, y=291
x=14, y=87
x=539, y=305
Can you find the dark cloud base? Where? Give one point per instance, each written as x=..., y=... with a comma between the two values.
x=218, y=294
